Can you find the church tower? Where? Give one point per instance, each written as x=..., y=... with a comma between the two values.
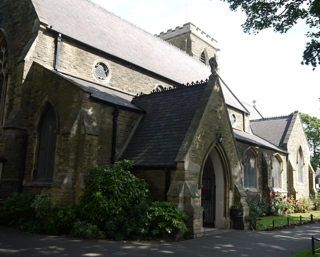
x=193, y=41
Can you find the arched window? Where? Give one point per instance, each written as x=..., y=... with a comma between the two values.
x=300, y=166
x=47, y=145
x=233, y=119
x=203, y=57
x=276, y=172
x=4, y=74
x=250, y=169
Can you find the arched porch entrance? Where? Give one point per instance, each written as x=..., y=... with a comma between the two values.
x=214, y=189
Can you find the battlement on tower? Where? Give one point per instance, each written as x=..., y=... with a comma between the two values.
x=187, y=28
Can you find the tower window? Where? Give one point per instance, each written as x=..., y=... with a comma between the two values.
x=203, y=57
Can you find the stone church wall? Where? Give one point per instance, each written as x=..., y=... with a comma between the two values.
x=17, y=20
x=31, y=87
x=200, y=47
x=264, y=169
x=238, y=121
x=78, y=60
x=79, y=146
x=158, y=181
x=191, y=40
x=297, y=140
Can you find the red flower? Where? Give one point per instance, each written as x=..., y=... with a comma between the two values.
x=284, y=197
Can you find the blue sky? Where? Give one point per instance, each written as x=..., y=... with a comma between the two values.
x=264, y=67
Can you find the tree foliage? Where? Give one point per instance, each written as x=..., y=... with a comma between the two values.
x=281, y=15
x=119, y=205
x=116, y=201
x=312, y=130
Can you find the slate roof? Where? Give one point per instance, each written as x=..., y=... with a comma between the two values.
x=103, y=93
x=255, y=140
x=230, y=98
x=161, y=132
x=99, y=92
x=254, y=113
x=274, y=130
x=88, y=23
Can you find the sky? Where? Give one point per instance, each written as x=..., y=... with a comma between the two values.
x=265, y=68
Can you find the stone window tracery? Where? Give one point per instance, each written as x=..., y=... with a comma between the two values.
x=101, y=71
x=300, y=166
x=250, y=176
x=276, y=172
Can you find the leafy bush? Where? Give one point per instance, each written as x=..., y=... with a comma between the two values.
x=65, y=216
x=279, y=204
x=115, y=205
x=16, y=209
x=86, y=230
x=304, y=205
x=316, y=201
x=256, y=210
x=51, y=218
x=116, y=201
x=166, y=219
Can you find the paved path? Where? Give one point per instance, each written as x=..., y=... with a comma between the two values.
x=229, y=243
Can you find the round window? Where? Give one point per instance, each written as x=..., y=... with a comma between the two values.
x=101, y=71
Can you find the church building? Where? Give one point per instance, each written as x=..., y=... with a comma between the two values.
x=82, y=87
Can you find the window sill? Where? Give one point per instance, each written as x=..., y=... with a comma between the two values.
x=251, y=189
x=278, y=190
x=41, y=183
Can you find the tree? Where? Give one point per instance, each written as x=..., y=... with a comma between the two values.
x=281, y=15
x=312, y=130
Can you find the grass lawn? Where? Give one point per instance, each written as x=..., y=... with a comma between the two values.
x=294, y=218
x=306, y=253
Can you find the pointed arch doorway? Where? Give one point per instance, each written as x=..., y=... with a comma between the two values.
x=213, y=191
x=208, y=194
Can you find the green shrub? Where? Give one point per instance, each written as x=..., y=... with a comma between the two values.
x=256, y=210
x=316, y=201
x=166, y=219
x=280, y=204
x=304, y=205
x=116, y=201
x=86, y=230
x=51, y=218
x=65, y=216
x=16, y=210
x=115, y=205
